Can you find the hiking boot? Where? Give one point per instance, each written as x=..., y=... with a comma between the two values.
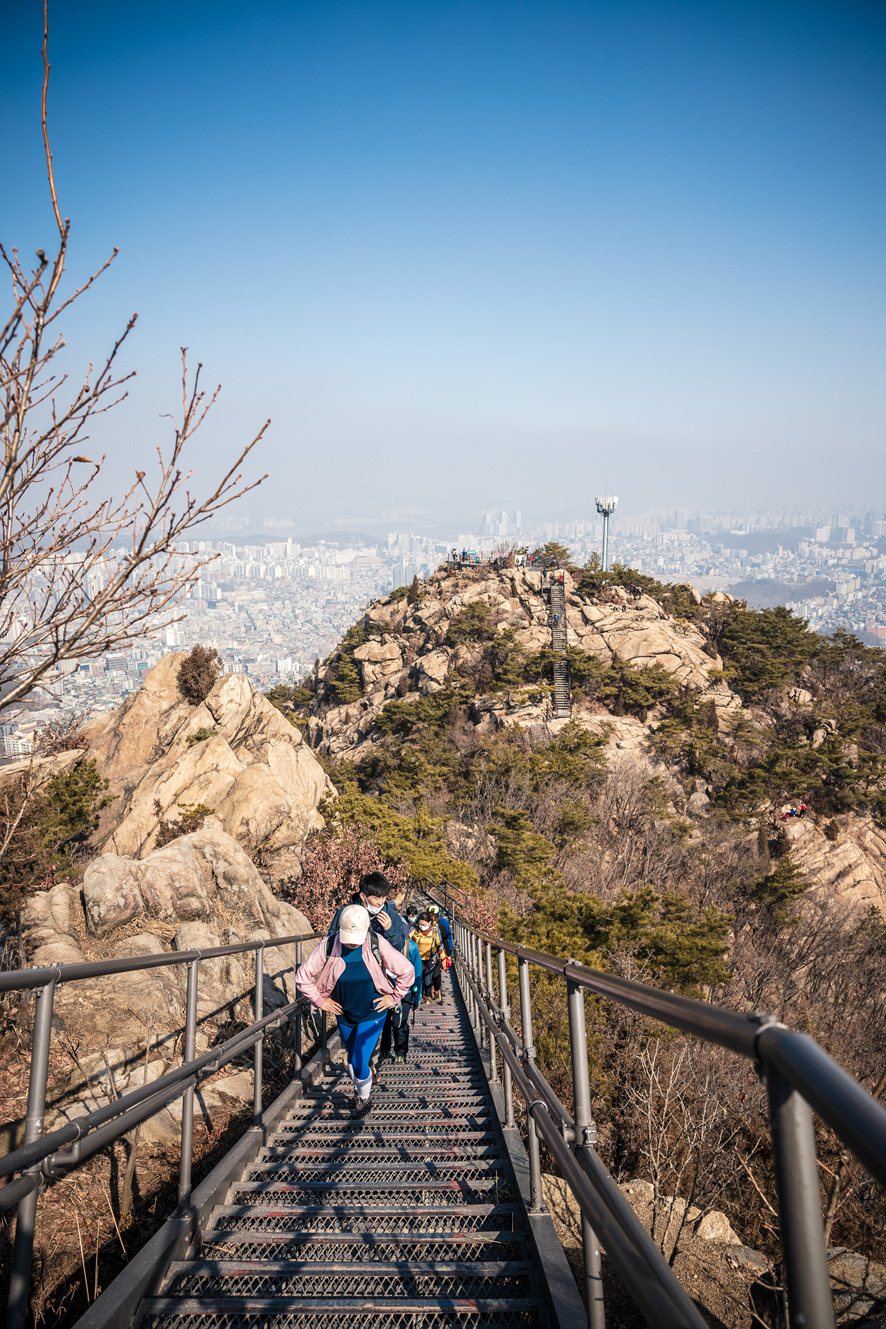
x=399, y=1061
x=362, y=1108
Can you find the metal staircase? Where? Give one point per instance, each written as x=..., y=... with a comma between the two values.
x=431, y=1213
x=562, y=701
x=412, y=1217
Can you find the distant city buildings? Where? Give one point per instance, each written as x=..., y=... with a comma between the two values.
x=272, y=606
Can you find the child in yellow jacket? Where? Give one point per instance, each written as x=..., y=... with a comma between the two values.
x=426, y=936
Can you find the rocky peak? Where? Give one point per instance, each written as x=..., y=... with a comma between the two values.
x=409, y=650
x=234, y=753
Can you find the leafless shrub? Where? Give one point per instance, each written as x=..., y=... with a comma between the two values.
x=62, y=735
x=333, y=863
x=683, y=1128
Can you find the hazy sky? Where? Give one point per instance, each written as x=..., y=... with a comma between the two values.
x=477, y=253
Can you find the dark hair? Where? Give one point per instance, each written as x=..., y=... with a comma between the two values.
x=375, y=883
x=424, y=917
x=412, y=909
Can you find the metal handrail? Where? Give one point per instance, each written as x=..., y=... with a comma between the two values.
x=20, y=980
x=638, y=1260
x=839, y=1100
x=43, y=1157
x=799, y=1076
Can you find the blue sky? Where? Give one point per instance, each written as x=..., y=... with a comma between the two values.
x=475, y=253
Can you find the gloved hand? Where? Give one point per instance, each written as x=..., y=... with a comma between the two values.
x=447, y=962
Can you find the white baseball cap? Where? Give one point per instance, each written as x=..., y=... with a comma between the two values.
x=353, y=925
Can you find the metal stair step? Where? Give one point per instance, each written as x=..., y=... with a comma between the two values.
x=391, y=1133
x=304, y=1312
x=400, y=1279
x=340, y=1099
x=373, y=1219
x=416, y=1171
x=455, y=1190
x=242, y=1244
x=333, y=1151
x=397, y=1110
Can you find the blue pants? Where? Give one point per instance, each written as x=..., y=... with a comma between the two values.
x=360, y=1040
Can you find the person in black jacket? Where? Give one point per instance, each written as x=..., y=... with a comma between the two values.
x=384, y=918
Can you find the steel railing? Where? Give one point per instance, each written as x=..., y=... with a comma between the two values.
x=799, y=1077
x=42, y=1158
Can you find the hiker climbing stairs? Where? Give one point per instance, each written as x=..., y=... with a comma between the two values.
x=562, y=701
x=411, y=1216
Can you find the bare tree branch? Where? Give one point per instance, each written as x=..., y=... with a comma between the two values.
x=82, y=575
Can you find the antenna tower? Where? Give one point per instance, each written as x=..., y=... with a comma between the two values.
x=606, y=506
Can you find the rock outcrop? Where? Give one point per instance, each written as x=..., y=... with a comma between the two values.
x=848, y=872
x=234, y=753
x=199, y=892
x=407, y=654
x=728, y=1280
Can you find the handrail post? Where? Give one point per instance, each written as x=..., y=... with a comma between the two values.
x=472, y=973
x=493, y=1051
x=505, y=1015
x=536, y=1196
x=26, y=1217
x=810, y=1302
x=585, y=1138
x=258, y=1050
x=482, y=1032
x=188, y=1053
x=298, y=1018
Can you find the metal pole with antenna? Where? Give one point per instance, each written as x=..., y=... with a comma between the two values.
x=606, y=505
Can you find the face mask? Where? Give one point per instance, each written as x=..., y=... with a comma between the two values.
x=424, y=927
x=373, y=909
x=411, y=918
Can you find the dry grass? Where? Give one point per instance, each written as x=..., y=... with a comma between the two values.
x=720, y=1287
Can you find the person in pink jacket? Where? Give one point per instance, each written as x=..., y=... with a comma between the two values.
x=358, y=981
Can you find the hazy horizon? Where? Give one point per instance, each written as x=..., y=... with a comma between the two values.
x=471, y=253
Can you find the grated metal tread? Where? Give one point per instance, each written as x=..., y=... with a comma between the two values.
x=391, y=1247
x=266, y=1278
x=348, y=1168
x=368, y=1218
x=407, y=1218
x=311, y=1156
x=311, y=1313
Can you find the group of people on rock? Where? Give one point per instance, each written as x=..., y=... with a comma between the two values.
x=794, y=812
x=471, y=557
x=372, y=972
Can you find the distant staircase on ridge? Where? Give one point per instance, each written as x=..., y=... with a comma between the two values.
x=562, y=700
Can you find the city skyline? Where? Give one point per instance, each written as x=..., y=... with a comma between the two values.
x=271, y=605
